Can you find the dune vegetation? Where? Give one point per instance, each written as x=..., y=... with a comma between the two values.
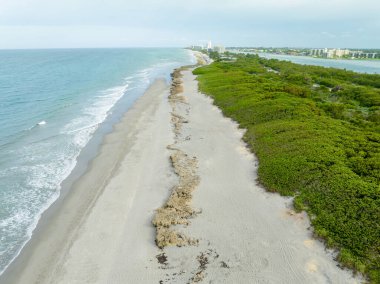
x=316, y=133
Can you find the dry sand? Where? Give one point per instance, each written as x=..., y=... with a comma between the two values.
x=104, y=233
x=245, y=234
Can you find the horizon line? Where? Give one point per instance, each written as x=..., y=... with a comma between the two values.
x=181, y=47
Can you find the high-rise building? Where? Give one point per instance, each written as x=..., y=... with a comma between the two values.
x=209, y=45
x=329, y=52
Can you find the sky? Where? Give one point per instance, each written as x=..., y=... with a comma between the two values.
x=179, y=23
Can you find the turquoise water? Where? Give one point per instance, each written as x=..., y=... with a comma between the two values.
x=51, y=104
x=362, y=66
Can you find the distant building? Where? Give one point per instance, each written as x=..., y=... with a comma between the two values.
x=370, y=55
x=356, y=54
x=319, y=52
x=361, y=54
x=209, y=45
x=197, y=47
x=219, y=49
x=329, y=52
x=341, y=52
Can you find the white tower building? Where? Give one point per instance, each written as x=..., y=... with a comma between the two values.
x=209, y=45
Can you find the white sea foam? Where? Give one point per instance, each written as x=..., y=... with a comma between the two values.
x=45, y=177
x=48, y=161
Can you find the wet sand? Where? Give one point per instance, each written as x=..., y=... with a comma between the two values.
x=103, y=226
x=227, y=229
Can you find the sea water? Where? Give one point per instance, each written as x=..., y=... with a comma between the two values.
x=52, y=102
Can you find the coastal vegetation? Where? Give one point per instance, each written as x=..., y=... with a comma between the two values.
x=316, y=133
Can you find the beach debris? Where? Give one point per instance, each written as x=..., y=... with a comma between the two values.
x=176, y=86
x=224, y=265
x=162, y=258
x=203, y=259
x=176, y=89
x=177, y=210
x=178, y=121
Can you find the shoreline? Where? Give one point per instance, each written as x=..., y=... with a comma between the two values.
x=50, y=232
x=84, y=161
x=360, y=66
x=102, y=230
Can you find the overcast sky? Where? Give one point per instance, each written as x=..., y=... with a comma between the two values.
x=125, y=23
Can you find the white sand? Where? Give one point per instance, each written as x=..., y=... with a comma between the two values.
x=247, y=234
x=103, y=233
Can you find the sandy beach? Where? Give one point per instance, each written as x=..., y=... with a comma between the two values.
x=172, y=197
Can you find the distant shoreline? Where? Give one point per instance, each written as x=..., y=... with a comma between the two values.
x=361, y=66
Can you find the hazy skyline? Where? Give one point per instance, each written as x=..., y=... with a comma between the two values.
x=118, y=23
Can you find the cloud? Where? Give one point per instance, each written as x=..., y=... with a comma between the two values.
x=248, y=22
x=53, y=12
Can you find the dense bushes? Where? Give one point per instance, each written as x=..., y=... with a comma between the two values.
x=316, y=133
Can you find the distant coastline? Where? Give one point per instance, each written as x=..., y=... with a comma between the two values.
x=358, y=65
x=322, y=53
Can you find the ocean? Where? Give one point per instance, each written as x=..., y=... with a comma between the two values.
x=53, y=103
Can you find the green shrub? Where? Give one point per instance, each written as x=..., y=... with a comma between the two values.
x=321, y=146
